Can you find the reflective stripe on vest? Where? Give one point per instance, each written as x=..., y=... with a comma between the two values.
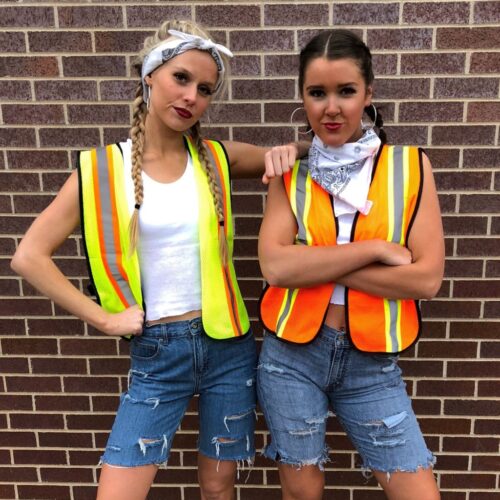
x=287, y=312
x=397, y=184
x=374, y=324
x=105, y=213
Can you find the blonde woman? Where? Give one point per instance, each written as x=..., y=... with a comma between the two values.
x=155, y=214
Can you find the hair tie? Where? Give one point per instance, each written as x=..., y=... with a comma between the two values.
x=137, y=206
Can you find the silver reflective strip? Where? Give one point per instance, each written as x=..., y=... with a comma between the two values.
x=289, y=296
x=398, y=193
x=393, y=329
x=109, y=252
x=300, y=199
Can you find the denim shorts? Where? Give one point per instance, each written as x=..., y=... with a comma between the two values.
x=300, y=385
x=170, y=363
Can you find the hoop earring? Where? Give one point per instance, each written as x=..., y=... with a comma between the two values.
x=291, y=120
x=375, y=113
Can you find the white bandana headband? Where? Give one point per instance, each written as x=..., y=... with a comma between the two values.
x=173, y=47
x=345, y=171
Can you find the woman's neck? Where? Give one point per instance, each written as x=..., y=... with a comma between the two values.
x=161, y=141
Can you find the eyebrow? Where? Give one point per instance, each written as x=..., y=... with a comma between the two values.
x=317, y=86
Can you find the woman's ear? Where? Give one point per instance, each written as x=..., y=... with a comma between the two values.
x=148, y=80
x=369, y=95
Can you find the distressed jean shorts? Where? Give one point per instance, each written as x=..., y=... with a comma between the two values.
x=299, y=385
x=170, y=363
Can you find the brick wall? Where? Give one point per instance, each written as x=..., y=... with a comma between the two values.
x=66, y=84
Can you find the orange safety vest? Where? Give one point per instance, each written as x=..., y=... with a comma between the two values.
x=374, y=324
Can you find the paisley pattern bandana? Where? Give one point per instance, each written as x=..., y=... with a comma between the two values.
x=178, y=43
x=345, y=171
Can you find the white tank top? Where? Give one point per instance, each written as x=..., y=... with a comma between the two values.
x=169, y=249
x=344, y=235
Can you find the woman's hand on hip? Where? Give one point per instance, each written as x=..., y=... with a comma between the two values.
x=128, y=322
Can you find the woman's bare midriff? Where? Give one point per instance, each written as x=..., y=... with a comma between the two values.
x=171, y=319
x=335, y=317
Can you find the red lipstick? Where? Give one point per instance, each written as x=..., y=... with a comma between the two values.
x=332, y=126
x=183, y=113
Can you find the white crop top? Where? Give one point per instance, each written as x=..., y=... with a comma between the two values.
x=344, y=235
x=169, y=249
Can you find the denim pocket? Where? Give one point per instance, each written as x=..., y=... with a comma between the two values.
x=144, y=348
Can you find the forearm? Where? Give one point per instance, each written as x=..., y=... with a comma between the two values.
x=46, y=277
x=300, y=266
x=412, y=281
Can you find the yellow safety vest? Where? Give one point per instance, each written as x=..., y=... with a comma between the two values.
x=106, y=206
x=374, y=324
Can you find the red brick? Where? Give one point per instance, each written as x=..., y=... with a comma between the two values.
x=265, y=136
x=62, y=403
x=14, y=365
x=267, y=41
x=473, y=369
x=463, y=268
x=119, y=41
x=400, y=39
x=445, y=388
x=365, y=13
x=228, y=15
x=474, y=330
x=18, y=474
x=414, y=64
x=12, y=41
x=40, y=66
x=281, y=65
x=488, y=388
x=35, y=421
x=469, y=444
x=484, y=62
x=85, y=457
x=26, y=114
x=245, y=66
x=90, y=17
x=17, y=90
x=17, y=138
x=464, y=225
x=486, y=12
x=98, y=114
x=406, y=134
x=486, y=462
x=109, y=366
x=476, y=289
x=69, y=137
x=9, y=402
x=436, y=13
x=430, y=112
x=463, y=134
x=406, y=88
x=53, y=90
x=384, y=64
x=487, y=427
x=52, y=41
x=66, y=475
x=446, y=309
x=465, y=87
x=26, y=384
x=468, y=480
x=234, y=113
x=475, y=247
x=492, y=309
x=467, y=38
x=29, y=17
x=296, y=15
x=447, y=203
x=480, y=203
x=24, y=307
x=140, y=16
x=44, y=492
x=30, y=159
x=91, y=422
x=451, y=462
x=472, y=407
x=14, y=439
x=118, y=90
x=59, y=365
x=94, y=66
x=483, y=112
x=112, y=135
x=447, y=349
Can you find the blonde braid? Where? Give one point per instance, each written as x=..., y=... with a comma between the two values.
x=137, y=133
x=208, y=167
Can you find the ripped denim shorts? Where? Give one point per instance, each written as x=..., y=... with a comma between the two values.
x=299, y=386
x=170, y=363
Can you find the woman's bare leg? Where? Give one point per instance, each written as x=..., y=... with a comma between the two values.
x=216, y=478
x=125, y=483
x=409, y=485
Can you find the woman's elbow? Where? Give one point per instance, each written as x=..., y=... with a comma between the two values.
x=431, y=286
x=22, y=262
x=272, y=273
